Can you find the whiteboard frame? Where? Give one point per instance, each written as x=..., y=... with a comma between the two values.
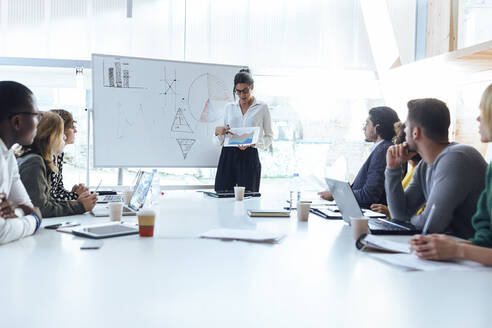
x=239, y=67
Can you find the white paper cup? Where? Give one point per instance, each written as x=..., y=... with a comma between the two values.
x=239, y=193
x=115, y=211
x=359, y=226
x=303, y=210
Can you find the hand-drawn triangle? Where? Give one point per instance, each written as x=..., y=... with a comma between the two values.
x=180, y=124
x=185, y=145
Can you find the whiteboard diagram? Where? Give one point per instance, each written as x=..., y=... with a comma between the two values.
x=185, y=146
x=163, y=113
x=180, y=124
x=117, y=74
x=207, y=97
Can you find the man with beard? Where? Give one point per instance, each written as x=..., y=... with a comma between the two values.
x=450, y=175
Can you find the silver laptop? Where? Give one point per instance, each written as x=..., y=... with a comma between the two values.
x=349, y=207
x=140, y=191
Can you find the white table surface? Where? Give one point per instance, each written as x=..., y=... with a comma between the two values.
x=313, y=278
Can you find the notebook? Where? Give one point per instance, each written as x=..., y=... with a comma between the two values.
x=268, y=213
x=348, y=206
x=140, y=191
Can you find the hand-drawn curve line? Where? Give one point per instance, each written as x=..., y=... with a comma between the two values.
x=216, y=93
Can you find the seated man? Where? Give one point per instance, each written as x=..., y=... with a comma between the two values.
x=479, y=248
x=450, y=176
x=368, y=186
x=18, y=121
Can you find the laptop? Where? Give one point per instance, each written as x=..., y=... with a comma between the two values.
x=230, y=194
x=378, y=224
x=140, y=191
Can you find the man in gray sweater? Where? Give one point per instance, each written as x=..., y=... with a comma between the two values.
x=450, y=176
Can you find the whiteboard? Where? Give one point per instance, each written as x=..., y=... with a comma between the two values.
x=158, y=113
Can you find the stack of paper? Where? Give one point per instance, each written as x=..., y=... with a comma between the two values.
x=372, y=242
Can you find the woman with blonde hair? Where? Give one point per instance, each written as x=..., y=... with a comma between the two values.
x=36, y=164
x=479, y=248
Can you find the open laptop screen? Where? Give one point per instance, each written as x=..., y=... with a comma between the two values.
x=345, y=199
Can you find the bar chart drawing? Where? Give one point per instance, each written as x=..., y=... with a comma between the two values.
x=117, y=74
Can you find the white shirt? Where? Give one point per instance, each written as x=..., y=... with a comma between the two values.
x=11, y=185
x=257, y=114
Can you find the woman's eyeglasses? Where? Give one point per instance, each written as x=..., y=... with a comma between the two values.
x=245, y=91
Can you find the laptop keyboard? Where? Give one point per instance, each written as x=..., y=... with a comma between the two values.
x=112, y=198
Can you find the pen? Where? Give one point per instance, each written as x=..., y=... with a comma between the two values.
x=97, y=187
x=429, y=219
x=228, y=132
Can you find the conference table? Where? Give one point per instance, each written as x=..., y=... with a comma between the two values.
x=313, y=277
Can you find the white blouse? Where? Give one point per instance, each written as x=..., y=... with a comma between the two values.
x=257, y=114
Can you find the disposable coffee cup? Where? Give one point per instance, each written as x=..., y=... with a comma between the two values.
x=239, y=193
x=303, y=210
x=116, y=211
x=359, y=226
x=146, y=222
x=127, y=195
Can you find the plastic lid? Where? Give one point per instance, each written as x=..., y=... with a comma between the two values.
x=145, y=211
x=296, y=174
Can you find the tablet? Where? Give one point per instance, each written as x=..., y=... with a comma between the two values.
x=106, y=230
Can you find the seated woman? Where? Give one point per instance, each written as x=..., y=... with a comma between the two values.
x=479, y=248
x=57, y=190
x=36, y=163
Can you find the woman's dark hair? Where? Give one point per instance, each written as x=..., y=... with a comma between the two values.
x=385, y=119
x=400, y=134
x=243, y=76
x=14, y=97
x=416, y=158
x=68, y=121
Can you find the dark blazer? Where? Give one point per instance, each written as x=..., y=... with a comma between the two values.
x=368, y=186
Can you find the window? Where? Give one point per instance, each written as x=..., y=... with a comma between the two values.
x=311, y=61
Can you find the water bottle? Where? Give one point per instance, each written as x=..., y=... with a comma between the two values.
x=295, y=189
x=155, y=189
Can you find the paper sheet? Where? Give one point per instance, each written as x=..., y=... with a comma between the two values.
x=411, y=261
x=379, y=242
x=242, y=234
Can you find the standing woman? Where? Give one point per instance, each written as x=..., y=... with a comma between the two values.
x=36, y=163
x=241, y=165
x=57, y=190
